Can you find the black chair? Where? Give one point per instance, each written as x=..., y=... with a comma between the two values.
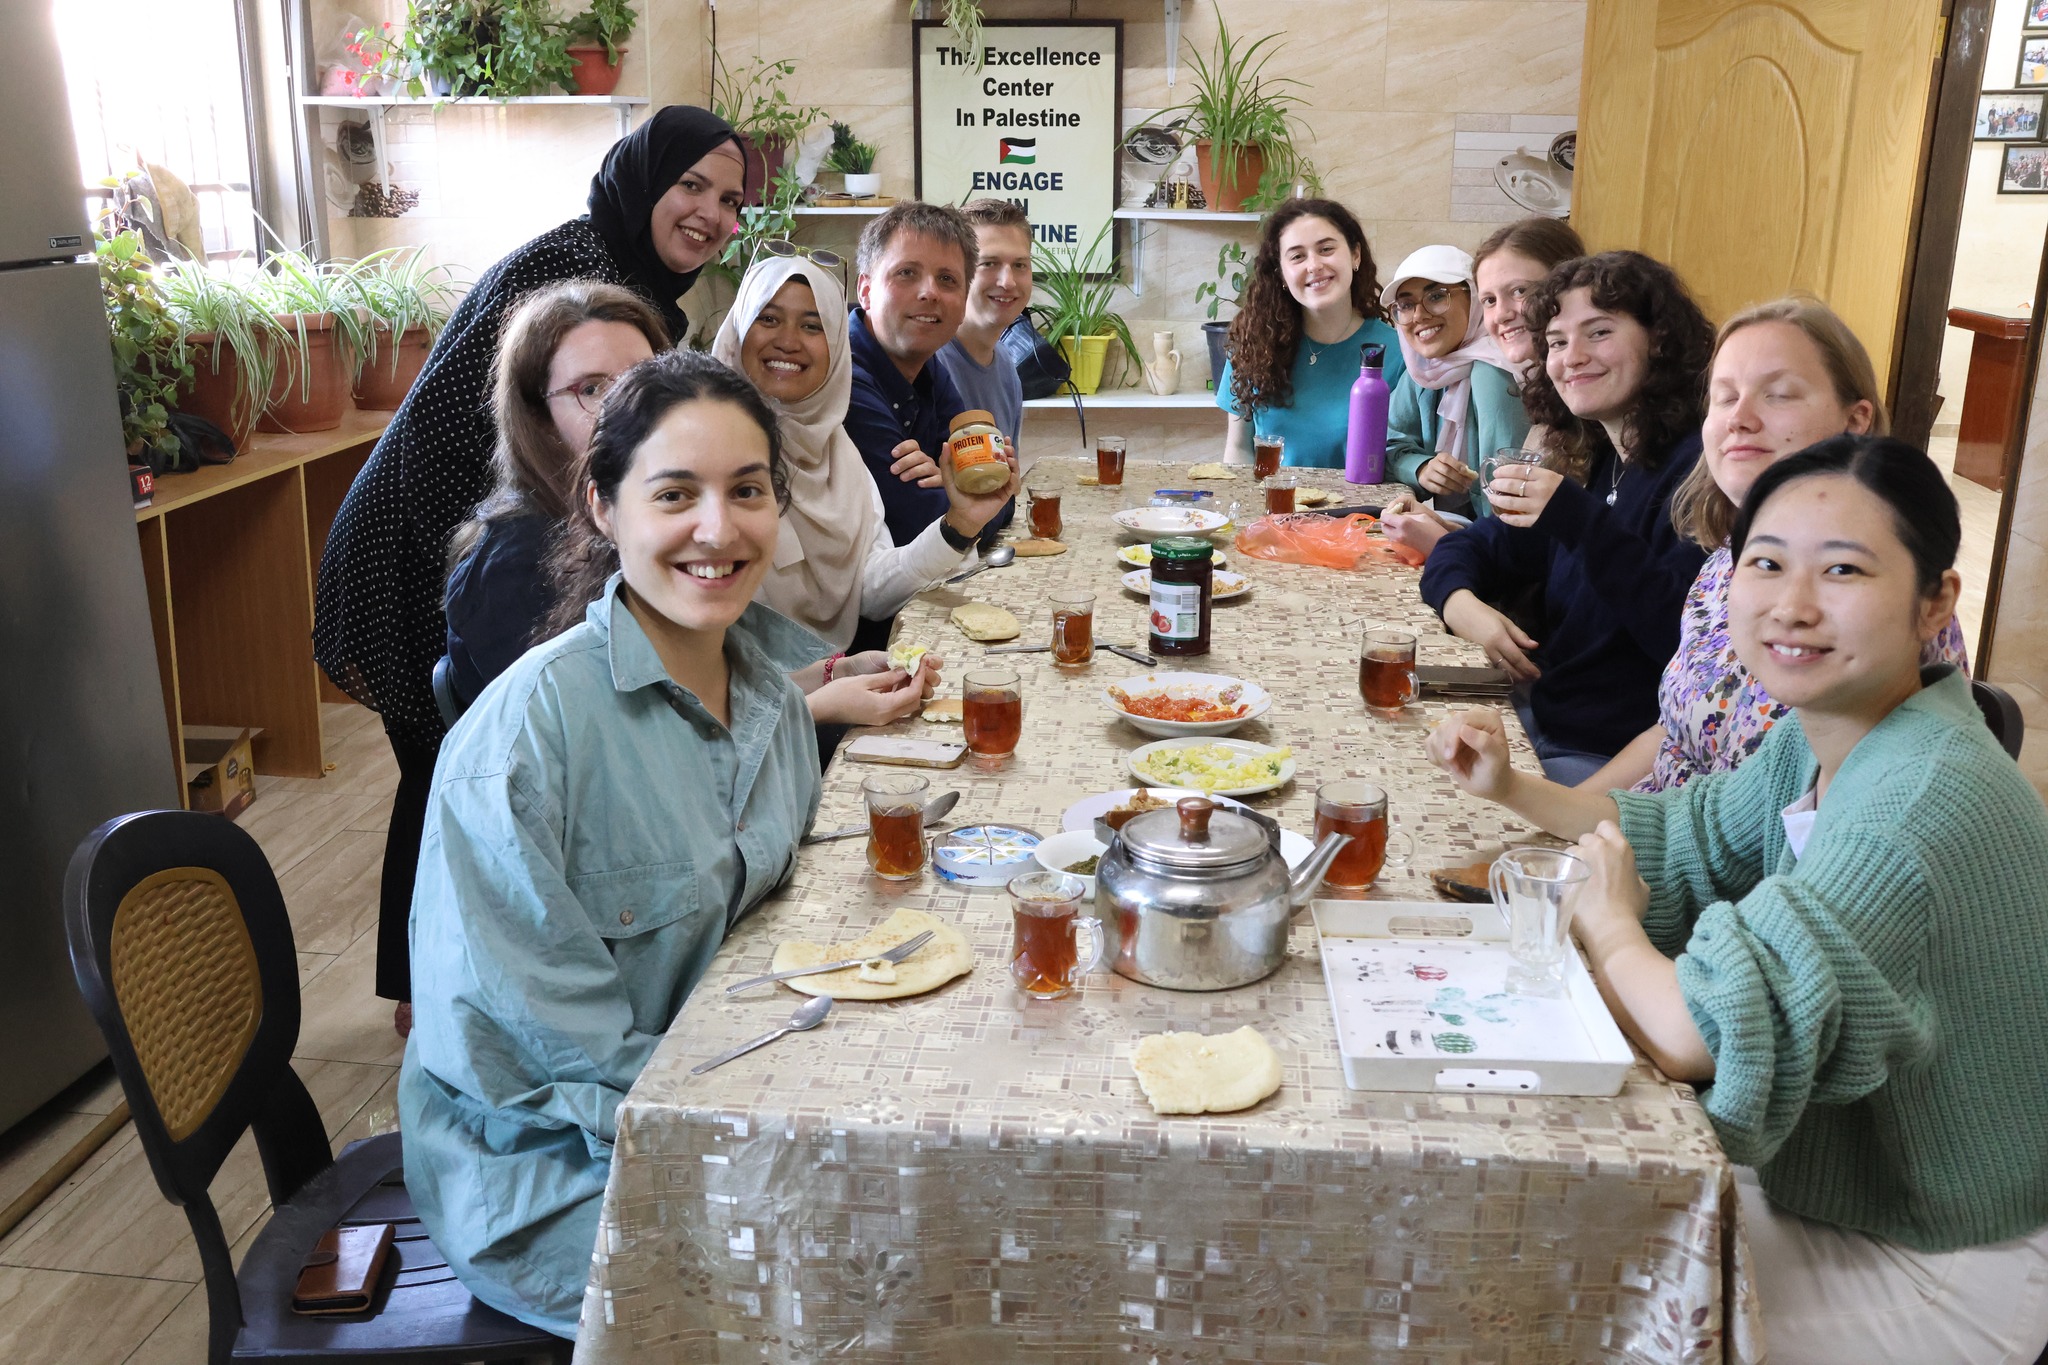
x=2002, y=714
x=450, y=705
x=181, y=946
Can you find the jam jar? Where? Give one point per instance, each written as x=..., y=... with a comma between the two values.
x=1183, y=576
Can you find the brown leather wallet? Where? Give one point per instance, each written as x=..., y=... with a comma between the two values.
x=342, y=1274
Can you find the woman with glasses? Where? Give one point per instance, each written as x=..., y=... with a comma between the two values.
x=835, y=561
x=662, y=207
x=1312, y=301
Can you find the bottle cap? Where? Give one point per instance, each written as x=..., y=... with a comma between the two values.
x=1372, y=355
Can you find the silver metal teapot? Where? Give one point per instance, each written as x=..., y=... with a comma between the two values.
x=1199, y=898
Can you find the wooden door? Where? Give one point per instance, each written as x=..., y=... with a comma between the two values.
x=1762, y=146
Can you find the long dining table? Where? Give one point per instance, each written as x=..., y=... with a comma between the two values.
x=975, y=1175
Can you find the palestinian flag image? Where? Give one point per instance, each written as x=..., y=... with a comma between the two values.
x=1019, y=151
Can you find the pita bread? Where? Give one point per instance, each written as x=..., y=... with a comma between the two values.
x=932, y=966
x=1088, y=481
x=1311, y=497
x=985, y=622
x=1038, y=549
x=905, y=656
x=1211, y=471
x=945, y=710
x=1189, y=1073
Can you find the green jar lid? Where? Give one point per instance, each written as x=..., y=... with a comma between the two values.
x=1182, y=547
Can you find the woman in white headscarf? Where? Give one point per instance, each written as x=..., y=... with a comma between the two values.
x=835, y=561
x=1457, y=402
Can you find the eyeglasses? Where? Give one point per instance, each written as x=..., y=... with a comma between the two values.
x=1436, y=299
x=788, y=250
x=588, y=391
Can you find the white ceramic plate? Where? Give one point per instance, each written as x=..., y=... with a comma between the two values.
x=1080, y=817
x=1171, y=521
x=1227, y=585
x=1242, y=747
x=1056, y=853
x=1210, y=685
x=1140, y=557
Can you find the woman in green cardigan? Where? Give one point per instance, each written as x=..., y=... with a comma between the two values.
x=1844, y=942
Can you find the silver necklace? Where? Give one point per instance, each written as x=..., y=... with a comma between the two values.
x=1620, y=473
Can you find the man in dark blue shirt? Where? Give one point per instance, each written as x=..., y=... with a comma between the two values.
x=915, y=263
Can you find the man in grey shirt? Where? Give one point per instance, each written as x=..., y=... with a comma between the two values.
x=985, y=377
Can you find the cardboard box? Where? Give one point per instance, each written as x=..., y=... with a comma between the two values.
x=220, y=774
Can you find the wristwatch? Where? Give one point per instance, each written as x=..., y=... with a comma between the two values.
x=960, y=543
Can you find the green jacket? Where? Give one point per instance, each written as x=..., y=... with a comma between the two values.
x=1411, y=426
x=1878, y=1007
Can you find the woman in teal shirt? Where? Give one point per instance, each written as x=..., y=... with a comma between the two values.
x=1844, y=941
x=601, y=815
x=1311, y=302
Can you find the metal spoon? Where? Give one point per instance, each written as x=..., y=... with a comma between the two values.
x=997, y=558
x=808, y=1015
x=935, y=810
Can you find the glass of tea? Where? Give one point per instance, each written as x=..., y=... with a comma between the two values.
x=992, y=710
x=1267, y=452
x=896, y=845
x=1073, y=628
x=1045, y=512
x=1353, y=806
x=1045, y=957
x=1280, y=493
x=1386, y=670
x=1109, y=461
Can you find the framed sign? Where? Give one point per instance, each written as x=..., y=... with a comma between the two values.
x=1037, y=122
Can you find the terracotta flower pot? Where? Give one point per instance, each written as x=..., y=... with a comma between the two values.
x=593, y=75
x=314, y=400
x=213, y=391
x=380, y=387
x=764, y=163
x=1251, y=164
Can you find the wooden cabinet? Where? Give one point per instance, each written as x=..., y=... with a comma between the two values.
x=1991, y=393
x=229, y=554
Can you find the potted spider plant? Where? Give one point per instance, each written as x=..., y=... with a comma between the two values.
x=856, y=161
x=324, y=330
x=761, y=112
x=1244, y=123
x=1076, y=316
x=407, y=302
x=230, y=338
x=594, y=36
x=1227, y=287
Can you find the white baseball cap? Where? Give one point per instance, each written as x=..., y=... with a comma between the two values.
x=1443, y=264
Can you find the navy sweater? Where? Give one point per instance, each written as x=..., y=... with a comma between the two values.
x=888, y=409
x=497, y=596
x=1614, y=584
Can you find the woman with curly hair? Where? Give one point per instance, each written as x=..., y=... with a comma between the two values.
x=1625, y=351
x=1312, y=301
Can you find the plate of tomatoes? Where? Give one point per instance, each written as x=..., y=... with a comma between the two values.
x=1171, y=705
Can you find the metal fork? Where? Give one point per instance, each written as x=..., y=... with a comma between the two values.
x=893, y=955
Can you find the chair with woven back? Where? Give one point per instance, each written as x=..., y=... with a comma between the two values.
x=181, y=945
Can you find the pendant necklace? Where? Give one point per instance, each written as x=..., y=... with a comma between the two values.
x=1620, y=473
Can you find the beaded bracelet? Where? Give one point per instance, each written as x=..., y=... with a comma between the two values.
x=831, y=664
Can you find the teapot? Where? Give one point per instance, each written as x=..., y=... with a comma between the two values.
x=1198, y=897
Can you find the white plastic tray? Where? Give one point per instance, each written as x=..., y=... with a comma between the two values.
x=1417, y=989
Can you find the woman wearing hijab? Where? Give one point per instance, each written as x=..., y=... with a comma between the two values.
x=834, y=559
x=1457, y=402
x=661, y=208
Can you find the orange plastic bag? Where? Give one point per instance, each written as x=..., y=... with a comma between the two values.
x=1350, y=542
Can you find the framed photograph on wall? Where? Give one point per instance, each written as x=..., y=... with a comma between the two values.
x=2010, y=115
x=2037, y=13
x=2033, y=60
x=2024, y=169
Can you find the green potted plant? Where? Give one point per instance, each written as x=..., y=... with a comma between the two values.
x=407, y=302
x=762, y=113
x=594, y=35
x=230, y=338
x=495, y=48
x=1232, y=266
x=1076, y=316
x=323, y=331
x=149, y=359
x=1244, y=124
x=532, y=52
x=856, y=161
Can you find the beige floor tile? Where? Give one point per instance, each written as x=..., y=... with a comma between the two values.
x=118, y=1222
x=332, y=894
x=341, y=1017
x=310, y=966
x=32, y=1146
x=291, y=824
x=51, y=1316
x=341, y=719
x=95, y=1093
x=181, y=1338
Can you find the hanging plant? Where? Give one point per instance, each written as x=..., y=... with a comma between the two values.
x=964, y=18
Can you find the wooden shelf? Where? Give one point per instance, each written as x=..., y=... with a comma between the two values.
x=1127, y=398
x=843, y=211
x=434, y=101
x=1185, y=216
x=267, y=454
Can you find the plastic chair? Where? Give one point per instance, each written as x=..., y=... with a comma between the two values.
x=2002, y=714
x=182, y=948
x=445, y=700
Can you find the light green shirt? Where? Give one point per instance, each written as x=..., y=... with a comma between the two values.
x=592, y=834
x=1495, y=418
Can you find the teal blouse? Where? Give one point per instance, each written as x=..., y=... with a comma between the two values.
x=592, y=834
x=1314, y=423
x=1496, y=414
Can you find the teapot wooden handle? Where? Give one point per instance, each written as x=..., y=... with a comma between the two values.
x=1194, y=818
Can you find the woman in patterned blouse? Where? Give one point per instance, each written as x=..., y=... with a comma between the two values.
x=1785, y=375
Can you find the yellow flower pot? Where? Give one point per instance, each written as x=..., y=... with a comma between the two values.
x=1086, y=360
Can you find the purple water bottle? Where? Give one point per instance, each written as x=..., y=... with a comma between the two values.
x=1365, y=440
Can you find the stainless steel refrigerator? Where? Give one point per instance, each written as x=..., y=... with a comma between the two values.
x=81, y=704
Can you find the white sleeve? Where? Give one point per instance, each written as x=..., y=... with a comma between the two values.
x=893, y=575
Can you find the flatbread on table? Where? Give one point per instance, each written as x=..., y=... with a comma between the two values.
x=1088, y=480
x=985, y=622
x=945, y=710
x=1192, y=1073
x=1312, y=497
x=1038, y=549
x=1211, y=471
x=906, y=656
x=932, y=966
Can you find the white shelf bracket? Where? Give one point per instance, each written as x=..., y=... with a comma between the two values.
x=1172, y=40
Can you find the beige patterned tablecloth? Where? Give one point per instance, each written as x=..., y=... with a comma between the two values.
x=973, y=1176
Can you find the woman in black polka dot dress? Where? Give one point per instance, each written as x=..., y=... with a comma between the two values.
x=662, y=207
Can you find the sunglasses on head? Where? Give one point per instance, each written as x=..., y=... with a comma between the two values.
x=787, y=250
